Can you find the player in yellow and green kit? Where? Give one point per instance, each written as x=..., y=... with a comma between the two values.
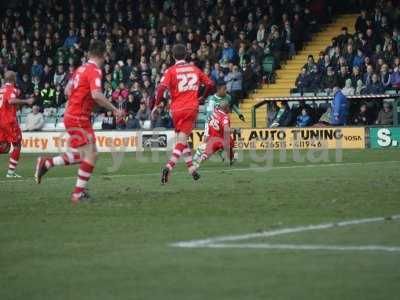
x=211, y=103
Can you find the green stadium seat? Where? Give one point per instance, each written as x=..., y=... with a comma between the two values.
x=391, y=92
x=268, y=67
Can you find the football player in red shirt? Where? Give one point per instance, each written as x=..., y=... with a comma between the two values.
x=83, y=92
x=10, y=133
x=182, y=81
x=219, y=134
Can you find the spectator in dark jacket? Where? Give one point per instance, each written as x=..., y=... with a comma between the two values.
x=355, y=76
x=303, y=81
x=361, y=22
x=329, y=80
x=283, y=117
x=385, y=76
x=375, y=87
x=132, y=122
x=108, y=122
x=358, y=59
x=311, y=67
x=395, y=78
x=367, y=79
x=362, y=117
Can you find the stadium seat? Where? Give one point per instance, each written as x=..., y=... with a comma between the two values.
x=391, y=92
x=268, y=67
x=323, y=106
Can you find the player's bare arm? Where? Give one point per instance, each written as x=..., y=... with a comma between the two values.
x=101, y=100
x=67, y=90
x=17, y=101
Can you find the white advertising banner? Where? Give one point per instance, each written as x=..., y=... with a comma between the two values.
x=106, y=141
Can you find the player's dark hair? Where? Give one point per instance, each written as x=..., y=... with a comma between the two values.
x=220, y=82
x=97, y=48
x=179, y=51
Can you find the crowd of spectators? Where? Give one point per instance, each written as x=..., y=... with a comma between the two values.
x=44, y=41
x=366, y=62
x=281, y=114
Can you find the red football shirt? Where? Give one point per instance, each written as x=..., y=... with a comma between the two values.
x=183, y=81
x=85, y=80
x=218, y=121
x=8, y=111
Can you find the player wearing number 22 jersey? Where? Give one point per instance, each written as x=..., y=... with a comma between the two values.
x=183, y=81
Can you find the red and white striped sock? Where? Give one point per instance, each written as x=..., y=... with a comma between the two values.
x=176, y=154
x=13, y=161
x=187, y=155
x=68, y=158
x=84, y=173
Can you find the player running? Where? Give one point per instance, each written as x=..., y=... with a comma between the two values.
x=10, y=132
x=219, y=134
x=83, y=92
x=212, y=102
x=183, y=81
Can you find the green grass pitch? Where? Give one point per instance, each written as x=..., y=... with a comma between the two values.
x=119, y=246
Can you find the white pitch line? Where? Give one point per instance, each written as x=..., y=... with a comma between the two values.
x=231, y=170
x=306, y=247
x=220, y=242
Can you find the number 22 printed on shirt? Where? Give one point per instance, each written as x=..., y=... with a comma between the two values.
x=187, y=82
